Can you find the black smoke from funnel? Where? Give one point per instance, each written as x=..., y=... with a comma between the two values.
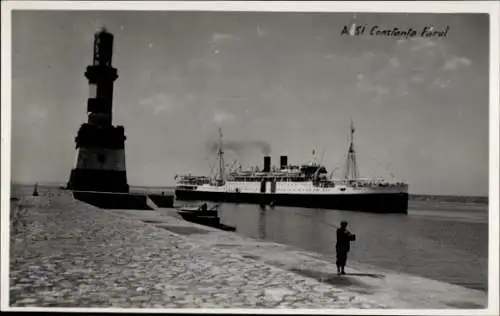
x=240, y=146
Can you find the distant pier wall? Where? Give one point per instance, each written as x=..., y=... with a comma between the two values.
x=163, y=201
x=110, y=200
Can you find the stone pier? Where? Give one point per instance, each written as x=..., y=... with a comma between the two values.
x=65, y=253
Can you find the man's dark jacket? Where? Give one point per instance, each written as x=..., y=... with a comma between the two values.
x=344, y=238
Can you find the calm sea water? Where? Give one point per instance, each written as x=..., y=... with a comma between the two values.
x=446, y=241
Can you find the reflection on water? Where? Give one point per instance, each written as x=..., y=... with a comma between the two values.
x=262, y=223
x=443, y=242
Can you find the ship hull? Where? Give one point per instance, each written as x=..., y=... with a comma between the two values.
x=364, y=202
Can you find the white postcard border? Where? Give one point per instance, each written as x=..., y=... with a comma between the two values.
x=490, y=7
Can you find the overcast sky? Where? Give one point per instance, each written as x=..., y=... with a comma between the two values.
x=288, y=81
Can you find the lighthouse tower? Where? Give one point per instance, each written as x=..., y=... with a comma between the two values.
x=100, y=164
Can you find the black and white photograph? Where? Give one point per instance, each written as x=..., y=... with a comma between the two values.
x=250, y=157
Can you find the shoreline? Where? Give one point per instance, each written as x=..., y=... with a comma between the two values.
x=159, y=254
x=476, y=199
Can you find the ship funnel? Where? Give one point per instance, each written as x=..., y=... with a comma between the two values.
x=267, y=164
x=283, y=162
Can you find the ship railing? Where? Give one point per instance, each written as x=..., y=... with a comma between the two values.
x=268, y=177
x=217, y=182
x=324, y=184
x=372, y=183
x=379, y=184
x=194, y=181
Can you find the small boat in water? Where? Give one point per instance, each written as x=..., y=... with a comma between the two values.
x=204, y=216
x=201, y=210
x=200, y=219
x=226, y=228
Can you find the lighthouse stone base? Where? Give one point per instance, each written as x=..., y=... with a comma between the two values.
x=101, y=160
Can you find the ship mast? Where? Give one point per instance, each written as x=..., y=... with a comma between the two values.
x=220, y=153
x=351, y=166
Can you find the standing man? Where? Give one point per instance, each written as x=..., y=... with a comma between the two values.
x=344, y=238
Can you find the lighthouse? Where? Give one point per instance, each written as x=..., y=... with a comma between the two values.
x=100, y=146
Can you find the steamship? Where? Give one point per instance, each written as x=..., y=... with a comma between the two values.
x=301, y=185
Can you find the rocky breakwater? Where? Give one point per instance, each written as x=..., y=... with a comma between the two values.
x=69, y=254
